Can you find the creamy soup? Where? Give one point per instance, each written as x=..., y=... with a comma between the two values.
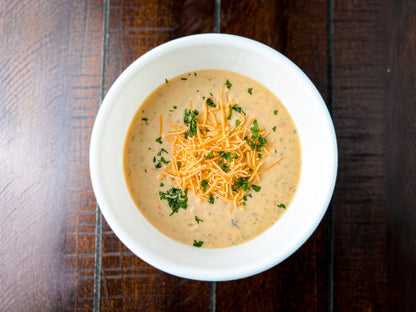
x=212, y=158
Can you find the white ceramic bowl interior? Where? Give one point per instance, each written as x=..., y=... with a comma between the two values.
x=278, y=74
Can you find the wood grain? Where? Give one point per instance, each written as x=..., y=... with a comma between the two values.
x=128, y=283
x=49, y=94
x=375, y=120
x=297, y=29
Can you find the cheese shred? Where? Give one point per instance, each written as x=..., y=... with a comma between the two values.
x=218, y=158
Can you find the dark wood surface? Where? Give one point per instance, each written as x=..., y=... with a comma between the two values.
x=57, y=59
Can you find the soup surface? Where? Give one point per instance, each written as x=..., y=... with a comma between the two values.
x=212, y=158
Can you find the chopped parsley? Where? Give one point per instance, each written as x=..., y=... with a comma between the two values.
x=184, y=78
x=161, y=184
x=175, y=107
x=241, y=183
x=245, y=197
x=179, y=165
x=250, y=91
x=211, y=103
x=190, y=120
x=159, y=140
x=144, y=119
x=195, y=74
x=204, y=185
x=236, y=108
x=275, y=112
x=274, y=129
x=160, y=153
x=256, y=188
x=198, y=243
x=224, y=166
x=211, y=199
x=198, y=219
x=225, y=155
x=228, y=84
x=235, y=156
x=237, y=123
x=256, y=142
x=211, y=94
x=210, y=155
x=176, y=199
x=282, y=206
x=166, y=80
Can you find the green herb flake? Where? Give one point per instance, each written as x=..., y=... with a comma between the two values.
x=228, y=84
x=198, y=243
x=175, y=107
x=224, y=166
x=259, y=155
x=235, y=107
x=144, y=119
x=245, y=197
x=161, y=184
x=274, y=129
x=243, y=203
x=256, y=141
x=176, y=199
x=159, y=140
x=211, y=199
x=204, y=185
x=195, y=74
x=235, y=156
x=282, y=206
x=190, y=120
x=256, y=188
x=210, y=155
x=211, y=94
x=198, y=219
x=250, y=91
x=237, y=123
x=211, y=103
x=241, y=183
x=182, y=78
x=225, y=155
x=179, y=165
x=166, y=80
x=275, y=112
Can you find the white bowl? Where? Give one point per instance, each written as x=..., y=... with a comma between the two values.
x=278, y=74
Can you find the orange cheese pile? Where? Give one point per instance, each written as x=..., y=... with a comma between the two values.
x=196, y=159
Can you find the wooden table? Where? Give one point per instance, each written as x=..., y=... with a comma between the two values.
x=58, y=58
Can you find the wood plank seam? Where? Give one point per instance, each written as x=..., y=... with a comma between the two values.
x=99, y=218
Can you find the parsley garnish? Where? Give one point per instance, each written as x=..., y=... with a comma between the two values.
x=211, y=199
x=160, y=153
x=159, y=140
x=256, y=188
x=245, y=197
x=184, y=78
x=210, y=155
x=224, y=166
x=176, y=199
x=210, y=103
x=198, y=219
x=144, y=119
x=198, y=243
x=161, y=184
x=282, y=206
x=190, y=120
x=225, y=155
x=228, y=84
x=275, y=112
x=179, y=165
x=204, y=185
x=236, y=108
x=274, y=129
x=237, y=123
x=250, y=91
x=256, y=142
x=241, y=183
x=195, y=74
x=235, y=155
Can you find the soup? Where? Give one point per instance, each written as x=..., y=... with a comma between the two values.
x=212, y=158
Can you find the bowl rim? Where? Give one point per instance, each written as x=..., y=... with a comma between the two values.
x=104, y=206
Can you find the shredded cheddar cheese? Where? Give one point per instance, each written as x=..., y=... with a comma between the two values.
x=210, y=156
